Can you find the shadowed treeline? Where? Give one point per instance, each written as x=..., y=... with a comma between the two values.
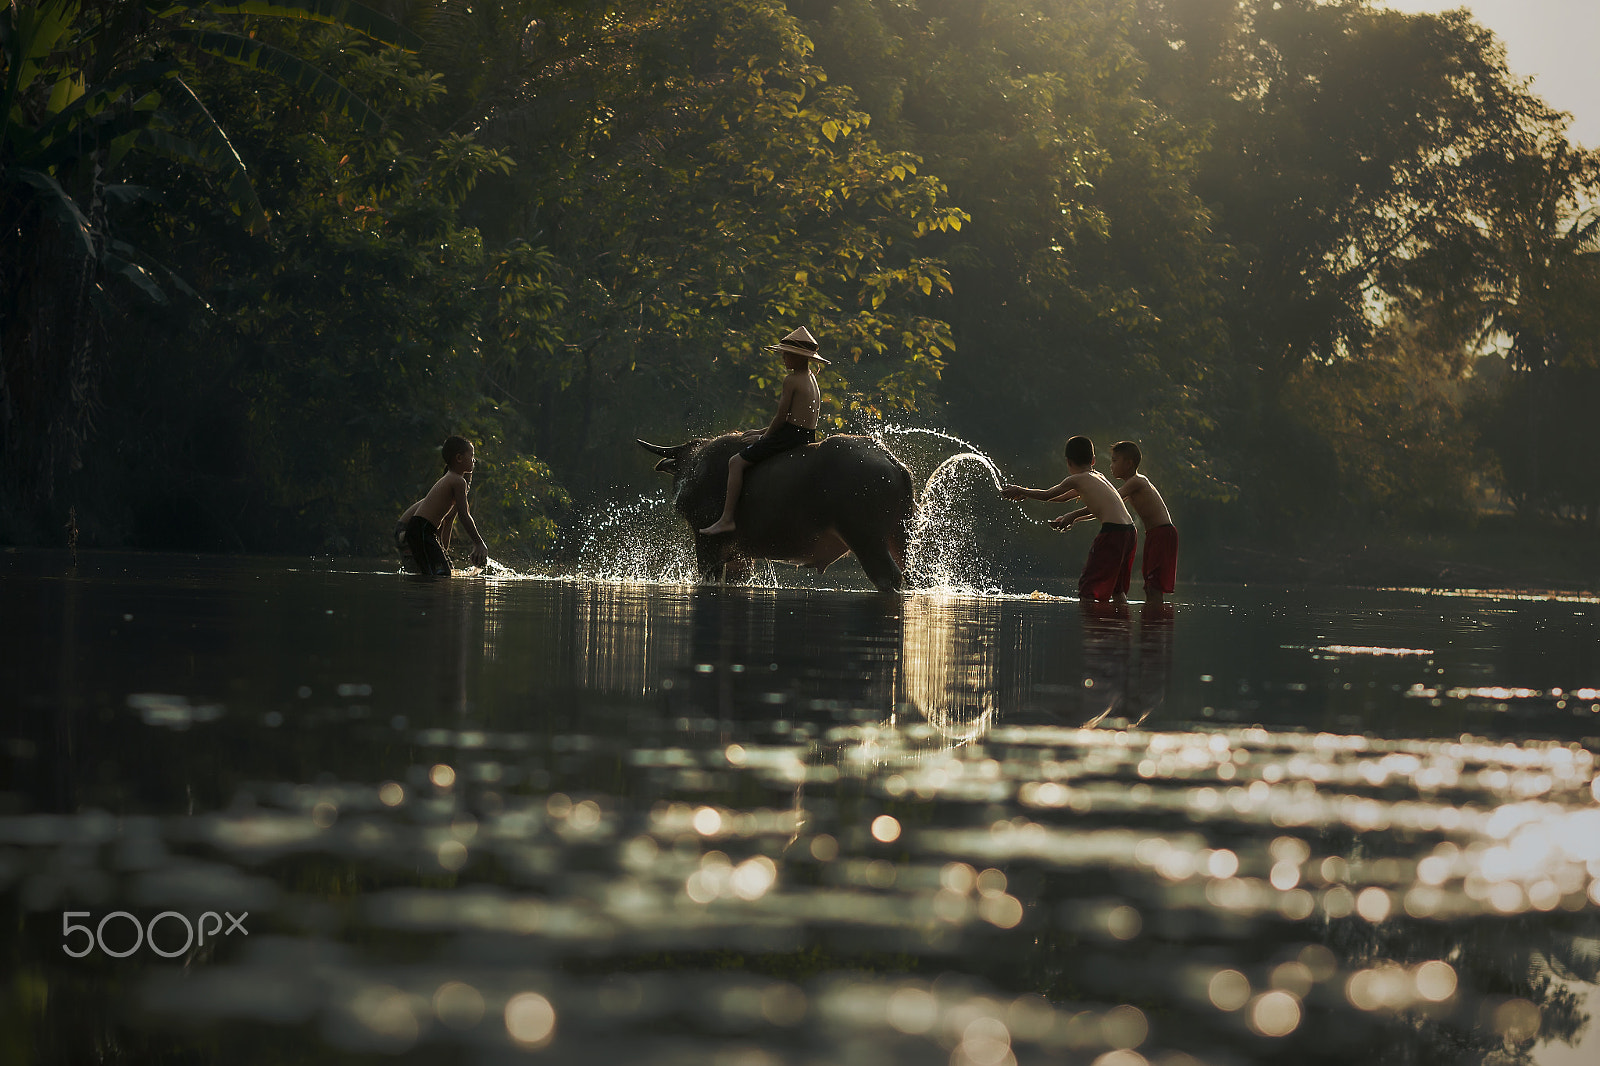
x=1328, y=263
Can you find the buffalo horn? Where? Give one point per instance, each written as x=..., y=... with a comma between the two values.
x=658, y=449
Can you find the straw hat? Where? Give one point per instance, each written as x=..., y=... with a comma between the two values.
x=800, y=342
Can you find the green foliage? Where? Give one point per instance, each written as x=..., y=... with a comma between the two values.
x=1315, y=255
x=374, y=327
x=1539, y=428
x=513, y=505
x=91, y=88
x=1393, y=428
x=714, y=191
x=1525, y=286
x=1371, y=173
x=1082, y=298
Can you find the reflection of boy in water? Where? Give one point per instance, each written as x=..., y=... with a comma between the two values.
x=1155, y=658
x=795, y=424
x=1104, y=571
x=1107, y=654
x=424, y=529
x=1160, y=535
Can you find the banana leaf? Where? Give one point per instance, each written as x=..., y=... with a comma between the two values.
x=135, y=274
x=214, y=143
x=325, y=91
x=153, y=266
x=90, y=103
x=28, y=33
x=364, y=20
x=125, y=194
x=236, y=180
x=57, y=204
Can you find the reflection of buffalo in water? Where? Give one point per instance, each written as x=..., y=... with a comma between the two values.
x=947, y=664
x=808, y=506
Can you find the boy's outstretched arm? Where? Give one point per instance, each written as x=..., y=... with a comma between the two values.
x=1064, y=522
x=1070, y=494
x=480, y=551
x=1022, y=492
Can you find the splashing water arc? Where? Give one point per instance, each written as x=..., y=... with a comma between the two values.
x=945, y=554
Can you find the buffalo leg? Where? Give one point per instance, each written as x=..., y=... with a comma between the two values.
x=881, y=570
x=708, y=559
x=719, y=565
x=878, y=561
x=899, y=538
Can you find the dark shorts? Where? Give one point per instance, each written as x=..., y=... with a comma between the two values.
x=1103, y=571
x=781, y=439
x=1161, y=558
x=420, y=550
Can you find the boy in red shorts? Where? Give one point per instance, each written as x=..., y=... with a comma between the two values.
x=1104, y=574
x=1160, y=535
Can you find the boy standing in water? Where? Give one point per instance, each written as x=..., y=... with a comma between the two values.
x=794, y=426
x=1104, y=574
x=1160, y=535
x=424, y=529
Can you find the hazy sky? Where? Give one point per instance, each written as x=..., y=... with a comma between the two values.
x=1552, y=41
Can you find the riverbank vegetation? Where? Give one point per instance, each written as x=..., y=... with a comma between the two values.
x=1334, y=266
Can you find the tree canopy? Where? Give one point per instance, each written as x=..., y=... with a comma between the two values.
x=259, y=258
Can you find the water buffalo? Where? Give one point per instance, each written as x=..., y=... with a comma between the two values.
x=808, y=506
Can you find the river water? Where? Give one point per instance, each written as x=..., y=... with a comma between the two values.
x=577, y=820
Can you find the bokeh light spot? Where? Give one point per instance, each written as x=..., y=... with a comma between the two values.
x=1436, y=981
x=1229, y=990
x=1275, y=1014
x=530, y=1019
x=458, y=1005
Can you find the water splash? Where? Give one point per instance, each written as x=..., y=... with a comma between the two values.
x=880, y=431
x=643, y=541
x=978, y=457
x=646, y=542
x=969, y=451
x=947, y=554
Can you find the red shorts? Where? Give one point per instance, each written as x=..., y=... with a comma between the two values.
x=1125, y=579
x=1161, y=558
x=1103, y=572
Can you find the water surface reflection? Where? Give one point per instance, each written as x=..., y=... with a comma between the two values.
x=644, y=823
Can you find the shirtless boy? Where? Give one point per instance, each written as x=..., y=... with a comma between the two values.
x=794, y=426
x=424, y=529
x=1160, y=535
x=1104, y=571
